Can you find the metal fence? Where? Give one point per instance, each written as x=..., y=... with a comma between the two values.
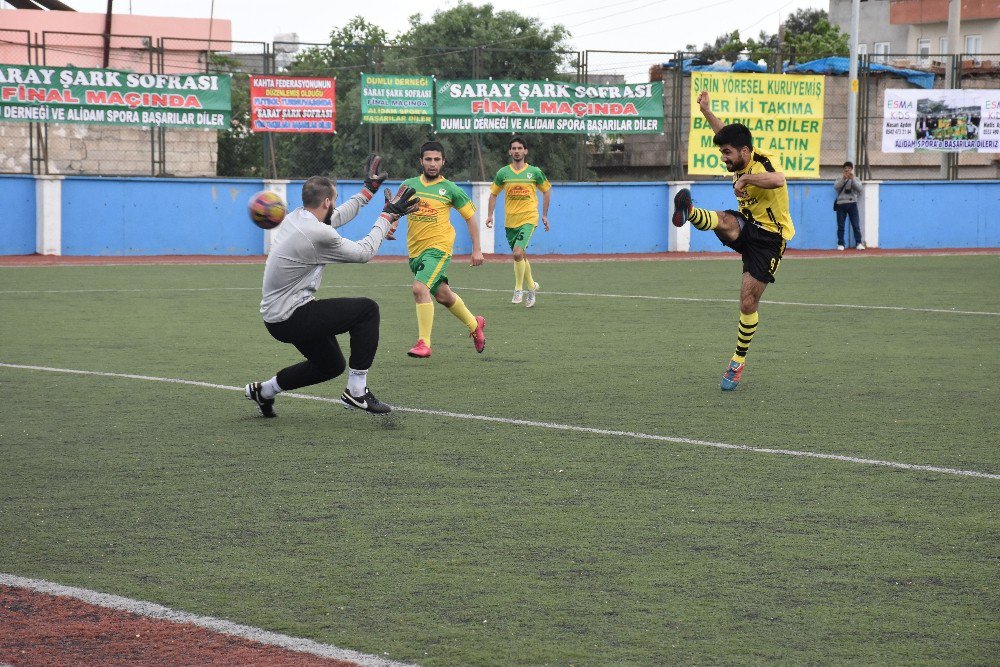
x=50, y=148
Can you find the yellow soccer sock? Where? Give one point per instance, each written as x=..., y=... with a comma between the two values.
x=519, y=274
x=459, y=310
x=425, y=321
x=529, y=280
x=703, y=219
x=748, y=325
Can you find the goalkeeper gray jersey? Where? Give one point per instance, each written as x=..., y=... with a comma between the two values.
x=302, y=246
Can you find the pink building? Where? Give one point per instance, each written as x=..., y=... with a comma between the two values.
x=70, y=38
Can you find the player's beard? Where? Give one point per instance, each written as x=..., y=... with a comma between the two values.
x=328, y=218
x=735, y=166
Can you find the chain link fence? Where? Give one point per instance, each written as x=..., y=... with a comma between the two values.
x=52, y=148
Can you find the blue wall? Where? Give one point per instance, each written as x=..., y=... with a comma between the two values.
x=929, y=214
x=146, y=216
x=811, y=204
x=362, y=224
x=612, y=218
x=17, y=215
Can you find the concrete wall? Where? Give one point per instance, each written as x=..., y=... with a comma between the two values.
x=109, y=150
x=146, y=216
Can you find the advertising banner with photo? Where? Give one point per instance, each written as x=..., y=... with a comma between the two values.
x=39, y=94
x=942, y=121
x=397, y=98
x=784, y=113
x=548, y=106
x=281, y=103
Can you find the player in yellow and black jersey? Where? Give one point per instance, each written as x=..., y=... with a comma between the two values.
x=758, y=231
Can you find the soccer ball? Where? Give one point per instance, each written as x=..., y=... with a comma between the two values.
x=267, y=210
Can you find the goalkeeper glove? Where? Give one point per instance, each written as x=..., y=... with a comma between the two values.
x=374, y=176
x=403, y=203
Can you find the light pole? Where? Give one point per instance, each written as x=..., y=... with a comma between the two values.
x=852, y=95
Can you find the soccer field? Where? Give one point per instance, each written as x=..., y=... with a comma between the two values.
x=582, y=493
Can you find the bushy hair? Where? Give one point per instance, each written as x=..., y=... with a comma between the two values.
x=736, y=135
x=431, y=146
x=518, y=140
x=316, y=189
x=849, y=164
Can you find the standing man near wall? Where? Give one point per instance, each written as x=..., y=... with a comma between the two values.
x=305, y=243
x=848, y=188
x=430, y=240
x=758, y=231
x=520, y=182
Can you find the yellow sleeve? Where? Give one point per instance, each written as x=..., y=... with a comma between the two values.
x=545, y=186
x=495, y=189
x=467, y=211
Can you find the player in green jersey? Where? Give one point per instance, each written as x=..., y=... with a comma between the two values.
x=430, y=240
x=520, y=183
x=758, y=231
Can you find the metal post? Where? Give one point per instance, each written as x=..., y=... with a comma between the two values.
x=583, y=72
x=954, y=30
x=852, y=95
x=677, y=107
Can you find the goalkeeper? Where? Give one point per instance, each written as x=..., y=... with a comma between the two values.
x=304, y=243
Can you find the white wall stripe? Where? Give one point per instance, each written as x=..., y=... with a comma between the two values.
x=152, y=610
x=594, y=295
x=550, y=425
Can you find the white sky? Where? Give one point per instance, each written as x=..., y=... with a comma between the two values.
x=615, y=25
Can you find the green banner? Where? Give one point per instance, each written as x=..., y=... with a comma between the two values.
x=42, y=94
x=397, y=98
x=546, y=106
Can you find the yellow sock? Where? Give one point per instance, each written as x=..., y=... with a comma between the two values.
x=459, y=310
x=704, y=219
x=528, y=278
x=519, y=274
x=425, y=321
x=748, y=325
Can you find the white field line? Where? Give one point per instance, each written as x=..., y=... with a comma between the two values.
x=593, y=295
x=152, y=610
x=551, y=425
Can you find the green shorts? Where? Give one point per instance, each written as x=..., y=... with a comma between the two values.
x=431, y=268
x=519, y=237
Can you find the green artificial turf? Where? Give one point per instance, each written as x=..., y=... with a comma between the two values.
x=443, y=540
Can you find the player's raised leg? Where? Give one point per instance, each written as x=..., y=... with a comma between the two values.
x=726, y=225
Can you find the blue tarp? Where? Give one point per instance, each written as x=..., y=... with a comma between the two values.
x=832, y=65
x=748, y=66
x=722, y=66
x=841, y=65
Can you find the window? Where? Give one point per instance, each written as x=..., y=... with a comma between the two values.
x=943, y=46
x=862, y=49
x=973, y=44
x=881, y=51
x=924, y=49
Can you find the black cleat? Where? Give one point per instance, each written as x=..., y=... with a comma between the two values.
x=265, y=405
x=682, y=207
x=366, y=402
